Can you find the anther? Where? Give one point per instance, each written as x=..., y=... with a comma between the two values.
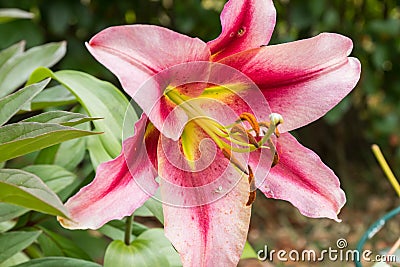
x=245, y=116
x=228, y=154
x=275, y=160
x=252, y=193
x=276, y=118
x=245, y=135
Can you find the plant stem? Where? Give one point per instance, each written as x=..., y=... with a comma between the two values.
x=386, y=169
x=128, y=230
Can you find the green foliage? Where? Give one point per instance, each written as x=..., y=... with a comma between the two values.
x=53, y=244
x=11, y=104
x=16, y=70
x=149, y=249
x=13, y=242
x=58, y=261
x=37, y=118
x=97, y=97
x=9, y=14
x=25, y=137
x=29, y=191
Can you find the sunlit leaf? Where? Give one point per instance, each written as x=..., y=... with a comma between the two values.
x=58, y=261
x=11, y=51
x=17, y=69
x=55, y=177
x=100, y=99
x=9, y=211
x=151, y=248
x=13, y=242
x=6, y=226
x=8, y=14
x=11, y=104
x=18, y=258
x=53, y=97
x=25, y=137
x=29, y=191
x=248, y=252
x=61, y=117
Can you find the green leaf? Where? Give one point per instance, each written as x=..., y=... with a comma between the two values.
x=116, y=229
x=9, y=14
x=11, y=51
x=6, y=226
x=55, y=177
x=53, y=97
x=155, y=207
x=59, y=262
x=97, y=152
x=143, y=211
x=13, y=242
x=71, y=153
x=47, y=155
x=27, y=190
x=9, y=211
x=61, y=117
x=53, y=244
x=151, y=248
x=17, y=69
x=25, y=137
x=68, y=154
x=100, y=99
x=248, y=252
x=18, y=258
x=11, y=104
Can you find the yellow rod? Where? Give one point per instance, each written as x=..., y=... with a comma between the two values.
x=385, y=167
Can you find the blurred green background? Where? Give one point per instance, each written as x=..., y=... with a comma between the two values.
x=370, y=114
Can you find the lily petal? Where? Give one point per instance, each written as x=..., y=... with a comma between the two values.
x=301, y=178
x=135, y=53
x=301, y=80
x=245, y=24
x=100, y=201
x=210, y=233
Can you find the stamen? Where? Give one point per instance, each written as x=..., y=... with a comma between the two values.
x=228, y=154
x=245, y=116
x=275, y=160
x=246, y=136
x=252, y=193
x=252, y=198
x=275, y=120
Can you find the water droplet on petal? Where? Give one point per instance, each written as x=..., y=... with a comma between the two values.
x=241, y=31
x=219, y=189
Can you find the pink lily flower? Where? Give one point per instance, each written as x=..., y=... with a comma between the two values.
x=207, y=130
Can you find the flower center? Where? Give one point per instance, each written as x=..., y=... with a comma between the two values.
x=244, y=135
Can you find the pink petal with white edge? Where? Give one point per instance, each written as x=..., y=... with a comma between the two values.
x=301, y=80
x=113, y=193
x=304, y=180
x=245, y=24
x=135, y=53
x=206, y=222
x=212, y=234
